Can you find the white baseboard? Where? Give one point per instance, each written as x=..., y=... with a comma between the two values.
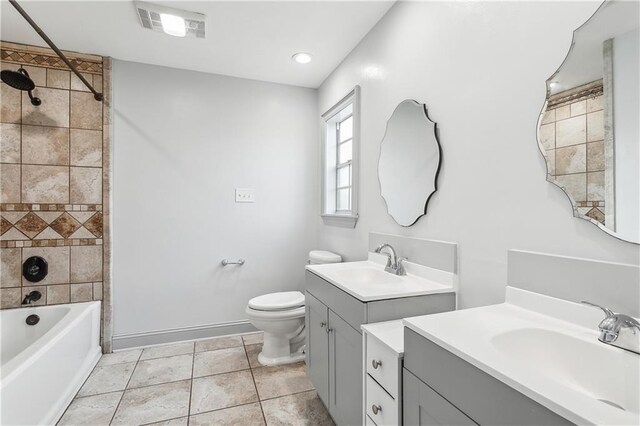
x=173, y=335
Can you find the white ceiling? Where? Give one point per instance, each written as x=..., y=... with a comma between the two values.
x=249, y=39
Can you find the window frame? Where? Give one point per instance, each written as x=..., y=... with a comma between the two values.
x=330, y=168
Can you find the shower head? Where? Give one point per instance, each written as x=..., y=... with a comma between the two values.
x=20, y=80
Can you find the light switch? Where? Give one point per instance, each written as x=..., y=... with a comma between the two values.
x=245, y=195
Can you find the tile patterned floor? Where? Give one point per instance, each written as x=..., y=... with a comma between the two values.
x=210, y=382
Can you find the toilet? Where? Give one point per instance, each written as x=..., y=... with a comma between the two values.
x=281, y=317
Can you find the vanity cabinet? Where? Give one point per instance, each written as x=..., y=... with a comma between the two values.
x=334, y=353
x=441, y=388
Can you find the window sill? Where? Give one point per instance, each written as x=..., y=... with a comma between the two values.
x=341, y=220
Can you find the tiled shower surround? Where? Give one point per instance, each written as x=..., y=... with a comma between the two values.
x=54, y=179
x=572, y=134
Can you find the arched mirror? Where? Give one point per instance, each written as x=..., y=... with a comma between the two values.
x=409, y=162
x=589, y=130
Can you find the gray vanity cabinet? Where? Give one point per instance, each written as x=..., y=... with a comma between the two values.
x=317, y=352
x=422, y=406
x=441, y=388
x=334, y=341
x=345, y=372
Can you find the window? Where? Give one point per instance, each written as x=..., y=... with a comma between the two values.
x=340, y=162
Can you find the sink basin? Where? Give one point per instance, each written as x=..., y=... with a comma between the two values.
x=367, y=276
x=368, y=281
x=601, y=372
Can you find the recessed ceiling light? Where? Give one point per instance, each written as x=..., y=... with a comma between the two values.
x=173, y=25
x=302, y=58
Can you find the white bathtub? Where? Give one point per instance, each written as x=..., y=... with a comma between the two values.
x=44, y=365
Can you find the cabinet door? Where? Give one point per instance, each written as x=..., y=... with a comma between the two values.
x=317, y=351
x=422, y=406
x=345, y=372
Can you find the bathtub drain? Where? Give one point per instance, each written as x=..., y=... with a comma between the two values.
x=33, y=319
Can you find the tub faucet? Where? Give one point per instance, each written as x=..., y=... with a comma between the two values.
x=33, y=296
x=394, y=265
x=618, y=330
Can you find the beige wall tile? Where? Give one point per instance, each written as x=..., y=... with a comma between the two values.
x=45, y=184
x=571, y=131
x=594, y=104
x=549, y=116
x=77, y=84
x=86, y=112
x=9, y=143
x=548, y=136
x=86, y=263
x=58, y=260
x=82, y=292
x=54, y=110
x=9, y=183
x=57, y=294
x=575, y=185
x=58, y=79
x=571, y=159
x=86, y=185
x=595, y=156
x=578, y=108
x=97, y=291
x=45, y=145
x=10, y=297
x=41, y=288
x=37, y=74
x=86, y=147
x=550, y=156
x=10, y=107
x=595, y=186
x=563, y=112
x=595, y=126
x=11, y=267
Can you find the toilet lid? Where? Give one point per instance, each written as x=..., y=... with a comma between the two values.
x=277, y=301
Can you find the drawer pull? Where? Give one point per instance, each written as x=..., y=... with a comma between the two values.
x=376, y=408
x=376, y=364
x=329, y=330
x=323, y=324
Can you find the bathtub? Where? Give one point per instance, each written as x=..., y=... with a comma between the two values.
x=43, y=366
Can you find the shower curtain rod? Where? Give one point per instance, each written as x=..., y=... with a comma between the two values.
x=96, y=94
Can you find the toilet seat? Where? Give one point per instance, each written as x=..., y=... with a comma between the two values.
x=282, y=301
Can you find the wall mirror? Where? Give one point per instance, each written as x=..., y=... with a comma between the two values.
x=409, y=162
x=589, y=129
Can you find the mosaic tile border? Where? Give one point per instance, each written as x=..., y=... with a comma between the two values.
x=590, y=90
x=52, y=243
x=18, y=56
x=10, y=207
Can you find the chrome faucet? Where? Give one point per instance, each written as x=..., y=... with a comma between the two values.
x=394, y=264
x=618, y=330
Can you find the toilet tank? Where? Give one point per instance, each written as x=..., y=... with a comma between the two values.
x=319, y=257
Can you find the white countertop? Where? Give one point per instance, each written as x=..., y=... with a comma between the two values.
x=367, y=280
x=547, y=349
x=389, y=333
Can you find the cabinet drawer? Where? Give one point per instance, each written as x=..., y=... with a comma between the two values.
x=386, y=370
x=388, y=407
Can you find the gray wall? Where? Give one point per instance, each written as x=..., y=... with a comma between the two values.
x=183, y=141
x=481, y=68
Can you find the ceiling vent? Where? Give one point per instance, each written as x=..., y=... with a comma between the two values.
x=175, y=22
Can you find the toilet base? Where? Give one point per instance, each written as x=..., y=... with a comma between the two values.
x=293, y=358
x=277, y=349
